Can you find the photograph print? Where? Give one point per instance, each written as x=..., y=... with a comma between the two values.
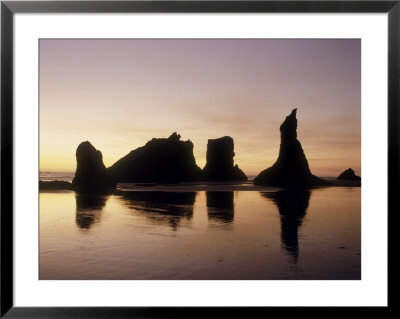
x=200, y=159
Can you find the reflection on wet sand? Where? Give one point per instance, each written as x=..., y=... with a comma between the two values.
x=130, y=235
x=220, y=207
x=292, y=205
x=88, y=209
x=161, y=207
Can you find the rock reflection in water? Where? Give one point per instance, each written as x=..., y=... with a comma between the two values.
x=220, y=207
x=88, y=208
x=292, y=206
x=161, y=207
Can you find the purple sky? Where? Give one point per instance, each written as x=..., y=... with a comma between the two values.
x=118, y=94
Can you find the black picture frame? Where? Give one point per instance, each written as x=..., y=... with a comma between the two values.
x=9, y=8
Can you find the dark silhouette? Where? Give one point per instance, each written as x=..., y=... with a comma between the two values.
x=161, y=207
x=220, y=206
x=219, y=166
x=88, y=208
x=291, y=168
x=55, y=185
x=162, y=160
x=90, y=172
x=292, y=205
x=349, y=175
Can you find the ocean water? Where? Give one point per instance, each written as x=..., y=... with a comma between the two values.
x=61, y=176
x=200, y=235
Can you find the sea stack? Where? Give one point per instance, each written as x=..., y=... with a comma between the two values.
x=90, y=172
x=291, y=168
x=348, y=175
x=161, y=160
x=219, y=166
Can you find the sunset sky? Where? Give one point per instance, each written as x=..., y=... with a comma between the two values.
x=118, y=94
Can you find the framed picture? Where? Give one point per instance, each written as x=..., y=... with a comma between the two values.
x=187, y=158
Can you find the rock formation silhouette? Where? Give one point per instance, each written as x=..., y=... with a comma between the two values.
x=55, y=185
x=291, y=167
x=91, y=174
x=162, y=160
x=349, y=175
x=219, y=166
x=292, y=205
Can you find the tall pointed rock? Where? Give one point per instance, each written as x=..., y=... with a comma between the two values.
x=291, y=167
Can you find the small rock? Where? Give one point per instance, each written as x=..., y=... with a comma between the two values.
x=349, y=174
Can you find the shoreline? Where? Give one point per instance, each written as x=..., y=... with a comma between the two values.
x=193, y=186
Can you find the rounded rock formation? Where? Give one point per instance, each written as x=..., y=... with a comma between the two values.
x=91, y=174
x=161, y=160
x=348, y=175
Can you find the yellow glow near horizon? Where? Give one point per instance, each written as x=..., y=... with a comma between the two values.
x=118, y=94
